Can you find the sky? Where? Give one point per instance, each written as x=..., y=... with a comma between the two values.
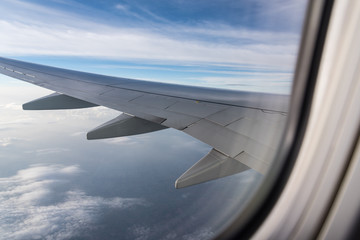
x=246, y=45
x=54, y=184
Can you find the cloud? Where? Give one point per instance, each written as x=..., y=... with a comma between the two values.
x=204, y=233
x=81, y=133
x=131, y=140
x=6, y=141
x=46, y=151
x=121, y=141
x=283, y=13
x=12, y=106
x=259, y=82
x=75, y=35
x=20, y=120
x=121, y=7
x=139, y=232
x=91, y=113
x=95, y=113
x=161, y=46
x=129, y=44
x=37, y=203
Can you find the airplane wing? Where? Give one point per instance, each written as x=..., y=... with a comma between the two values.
x=243, y=128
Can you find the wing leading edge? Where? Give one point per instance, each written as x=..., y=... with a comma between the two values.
x=244, y=128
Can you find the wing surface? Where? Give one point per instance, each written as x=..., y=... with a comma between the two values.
x=244, y=128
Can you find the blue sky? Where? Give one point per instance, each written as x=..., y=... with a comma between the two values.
x=246, y=45
x=55, y=184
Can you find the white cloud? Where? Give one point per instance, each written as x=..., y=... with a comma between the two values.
x=12, y=106
x=6, y=141
x=32, y=207
x=46, y=151
x=67, y=34
x=120, y=7
x=20, y=120
x=76, y=134
x=121, y=141
x=140, y=232
x=128, y=44
x=204, y=233
x=95, y=113
x=90, y=113
x=259, y=82
x=286, y=12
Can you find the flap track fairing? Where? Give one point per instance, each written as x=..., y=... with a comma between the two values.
x=213, y=166
x=124, y=125
x=57, y=101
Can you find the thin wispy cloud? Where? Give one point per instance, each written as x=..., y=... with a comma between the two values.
x=283, y=12
x=17, y=122
x=141, y=35
x=204, y=233
x=270, y=82
x=164, y=42
x=12, y=106
x=120, y=7
x=139, y=232
x=137, y=44
x=46, y=151
x=121, y=141
x=131, y=140
x=76, y=134
x=37, y=203
x=6, y=141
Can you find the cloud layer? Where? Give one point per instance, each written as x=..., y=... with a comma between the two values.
x=37, y=203
x=67, y=33
x=139, y=44
x=235, y=50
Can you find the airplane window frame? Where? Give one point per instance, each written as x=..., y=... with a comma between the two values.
x=313, y=36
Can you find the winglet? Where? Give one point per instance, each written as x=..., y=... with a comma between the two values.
x=57, y=101
x=123, y=125
x=213, y=166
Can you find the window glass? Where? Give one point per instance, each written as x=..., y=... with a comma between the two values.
x=56, y=184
